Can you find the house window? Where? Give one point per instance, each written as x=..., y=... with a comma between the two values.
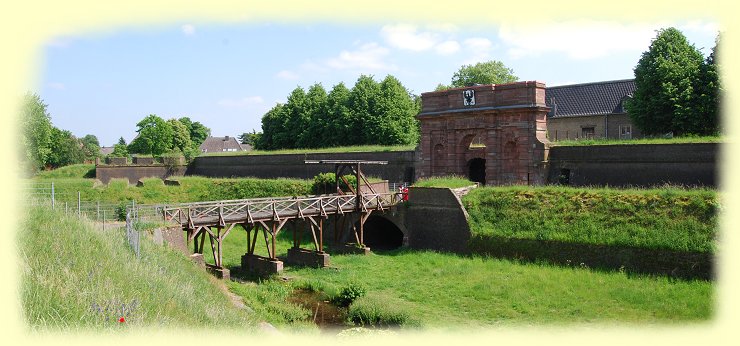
x=625, y=131
x=588, y=132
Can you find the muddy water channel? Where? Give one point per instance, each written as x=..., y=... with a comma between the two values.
x=328, y=317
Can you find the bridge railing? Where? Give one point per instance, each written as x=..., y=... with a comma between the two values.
x=263, y=209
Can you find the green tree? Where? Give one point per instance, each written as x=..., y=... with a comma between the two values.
x=489, y=72
x=121, y=141
x=90, y=147
x=393, y=120
x=66, y=149
x=314, y=115
x=249, y=138
x=119, y=150
x=666, y=78
x=37, y=130
x=709, y=91
x=155, y=136
x=339, y=121
x=362, y=104
x=180, y=136
x=273, y=123
x=295, y=119
x=198, y=131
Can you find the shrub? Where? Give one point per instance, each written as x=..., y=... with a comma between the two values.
x=324, y=183
x=348, y=294
x=375, y=311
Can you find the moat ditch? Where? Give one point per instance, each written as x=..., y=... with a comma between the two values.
x=327, y=316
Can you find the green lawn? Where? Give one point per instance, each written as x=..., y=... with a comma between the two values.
x=434, y=290
x=452, y=182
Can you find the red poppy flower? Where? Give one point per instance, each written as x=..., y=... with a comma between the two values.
x=121, y=320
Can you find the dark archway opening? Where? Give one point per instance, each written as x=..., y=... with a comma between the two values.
x=382, y=234
x=477, y=170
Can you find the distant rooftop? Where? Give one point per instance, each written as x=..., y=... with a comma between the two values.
x=596, y=98
x=221, y=144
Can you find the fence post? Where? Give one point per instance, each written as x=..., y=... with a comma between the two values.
x=52, y=195
x=103, y=220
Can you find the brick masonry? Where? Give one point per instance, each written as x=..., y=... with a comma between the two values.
x=507, y=123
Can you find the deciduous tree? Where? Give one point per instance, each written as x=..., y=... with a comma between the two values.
x=155, y=136
x=36, y=131
x=666, y=80
x=489, y=72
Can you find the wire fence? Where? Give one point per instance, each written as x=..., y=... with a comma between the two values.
x=47, y=194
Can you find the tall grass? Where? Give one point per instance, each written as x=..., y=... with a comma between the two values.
x=74, y=276
x=669, y=218
x=606, y=141
x=451, y=181
x=191, y=189
x=346, y=149
x=82, y=170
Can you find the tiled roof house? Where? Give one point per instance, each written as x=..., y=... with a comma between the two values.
x=590, y=110
x=221, y=144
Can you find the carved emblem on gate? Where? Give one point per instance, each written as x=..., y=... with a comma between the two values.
x=469, y=97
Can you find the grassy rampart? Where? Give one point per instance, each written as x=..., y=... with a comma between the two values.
x=75, y=276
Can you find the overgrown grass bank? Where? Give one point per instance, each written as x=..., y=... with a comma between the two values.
x=72, y=171
x=191, y=189
x=675, y=140
x=452, y=182
x=669, y=218
x=347, y=149
x=77, y=277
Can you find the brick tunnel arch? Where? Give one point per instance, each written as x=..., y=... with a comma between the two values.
x=382, y=233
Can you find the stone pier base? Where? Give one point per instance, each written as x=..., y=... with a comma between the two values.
x=261, y=265
x=309, y=258
x=221, y=273
x=197, y=258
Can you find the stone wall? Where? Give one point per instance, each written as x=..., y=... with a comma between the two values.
x=400, y=167
x=635, y=165
x=133, y=173
x=436, y=220
x=605, y=126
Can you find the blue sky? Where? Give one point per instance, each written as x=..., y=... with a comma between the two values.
x=228, y=75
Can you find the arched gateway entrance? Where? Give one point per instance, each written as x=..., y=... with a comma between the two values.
x=477, y=171
x=470, y=131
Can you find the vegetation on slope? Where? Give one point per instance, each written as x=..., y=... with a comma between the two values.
x=450, y=181
x=674, y=140
x=82, y=170
x=669, y=218
x=343, y=149
x=191, y=189
x=77, y=277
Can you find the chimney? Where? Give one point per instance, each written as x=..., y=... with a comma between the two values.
x=226, y=138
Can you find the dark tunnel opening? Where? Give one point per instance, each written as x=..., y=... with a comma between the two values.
x=382, y=234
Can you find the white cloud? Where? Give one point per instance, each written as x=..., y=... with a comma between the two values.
x=404, y=36
x=56, y=85
x=580, y=40
x=288, y=75
x=478, y=48
x=188, y=29
x=700, y=26
x=242, y=103
x=368, y=56
x=447, y=47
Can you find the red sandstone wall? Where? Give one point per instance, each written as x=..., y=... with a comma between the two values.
x=510, y=119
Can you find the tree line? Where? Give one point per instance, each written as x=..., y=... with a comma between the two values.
x=371, y=112
x=157, y=137
x=46, y=146
x=677, y=89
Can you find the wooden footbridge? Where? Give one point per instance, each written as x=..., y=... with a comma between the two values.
x=267, y=216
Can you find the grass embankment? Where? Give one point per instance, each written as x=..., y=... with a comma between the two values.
x=191, y=189
x=451, y=181
x=77, y=277
x=82, y=170
x=668, y=218
x=675, y=140
x=347, y=149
